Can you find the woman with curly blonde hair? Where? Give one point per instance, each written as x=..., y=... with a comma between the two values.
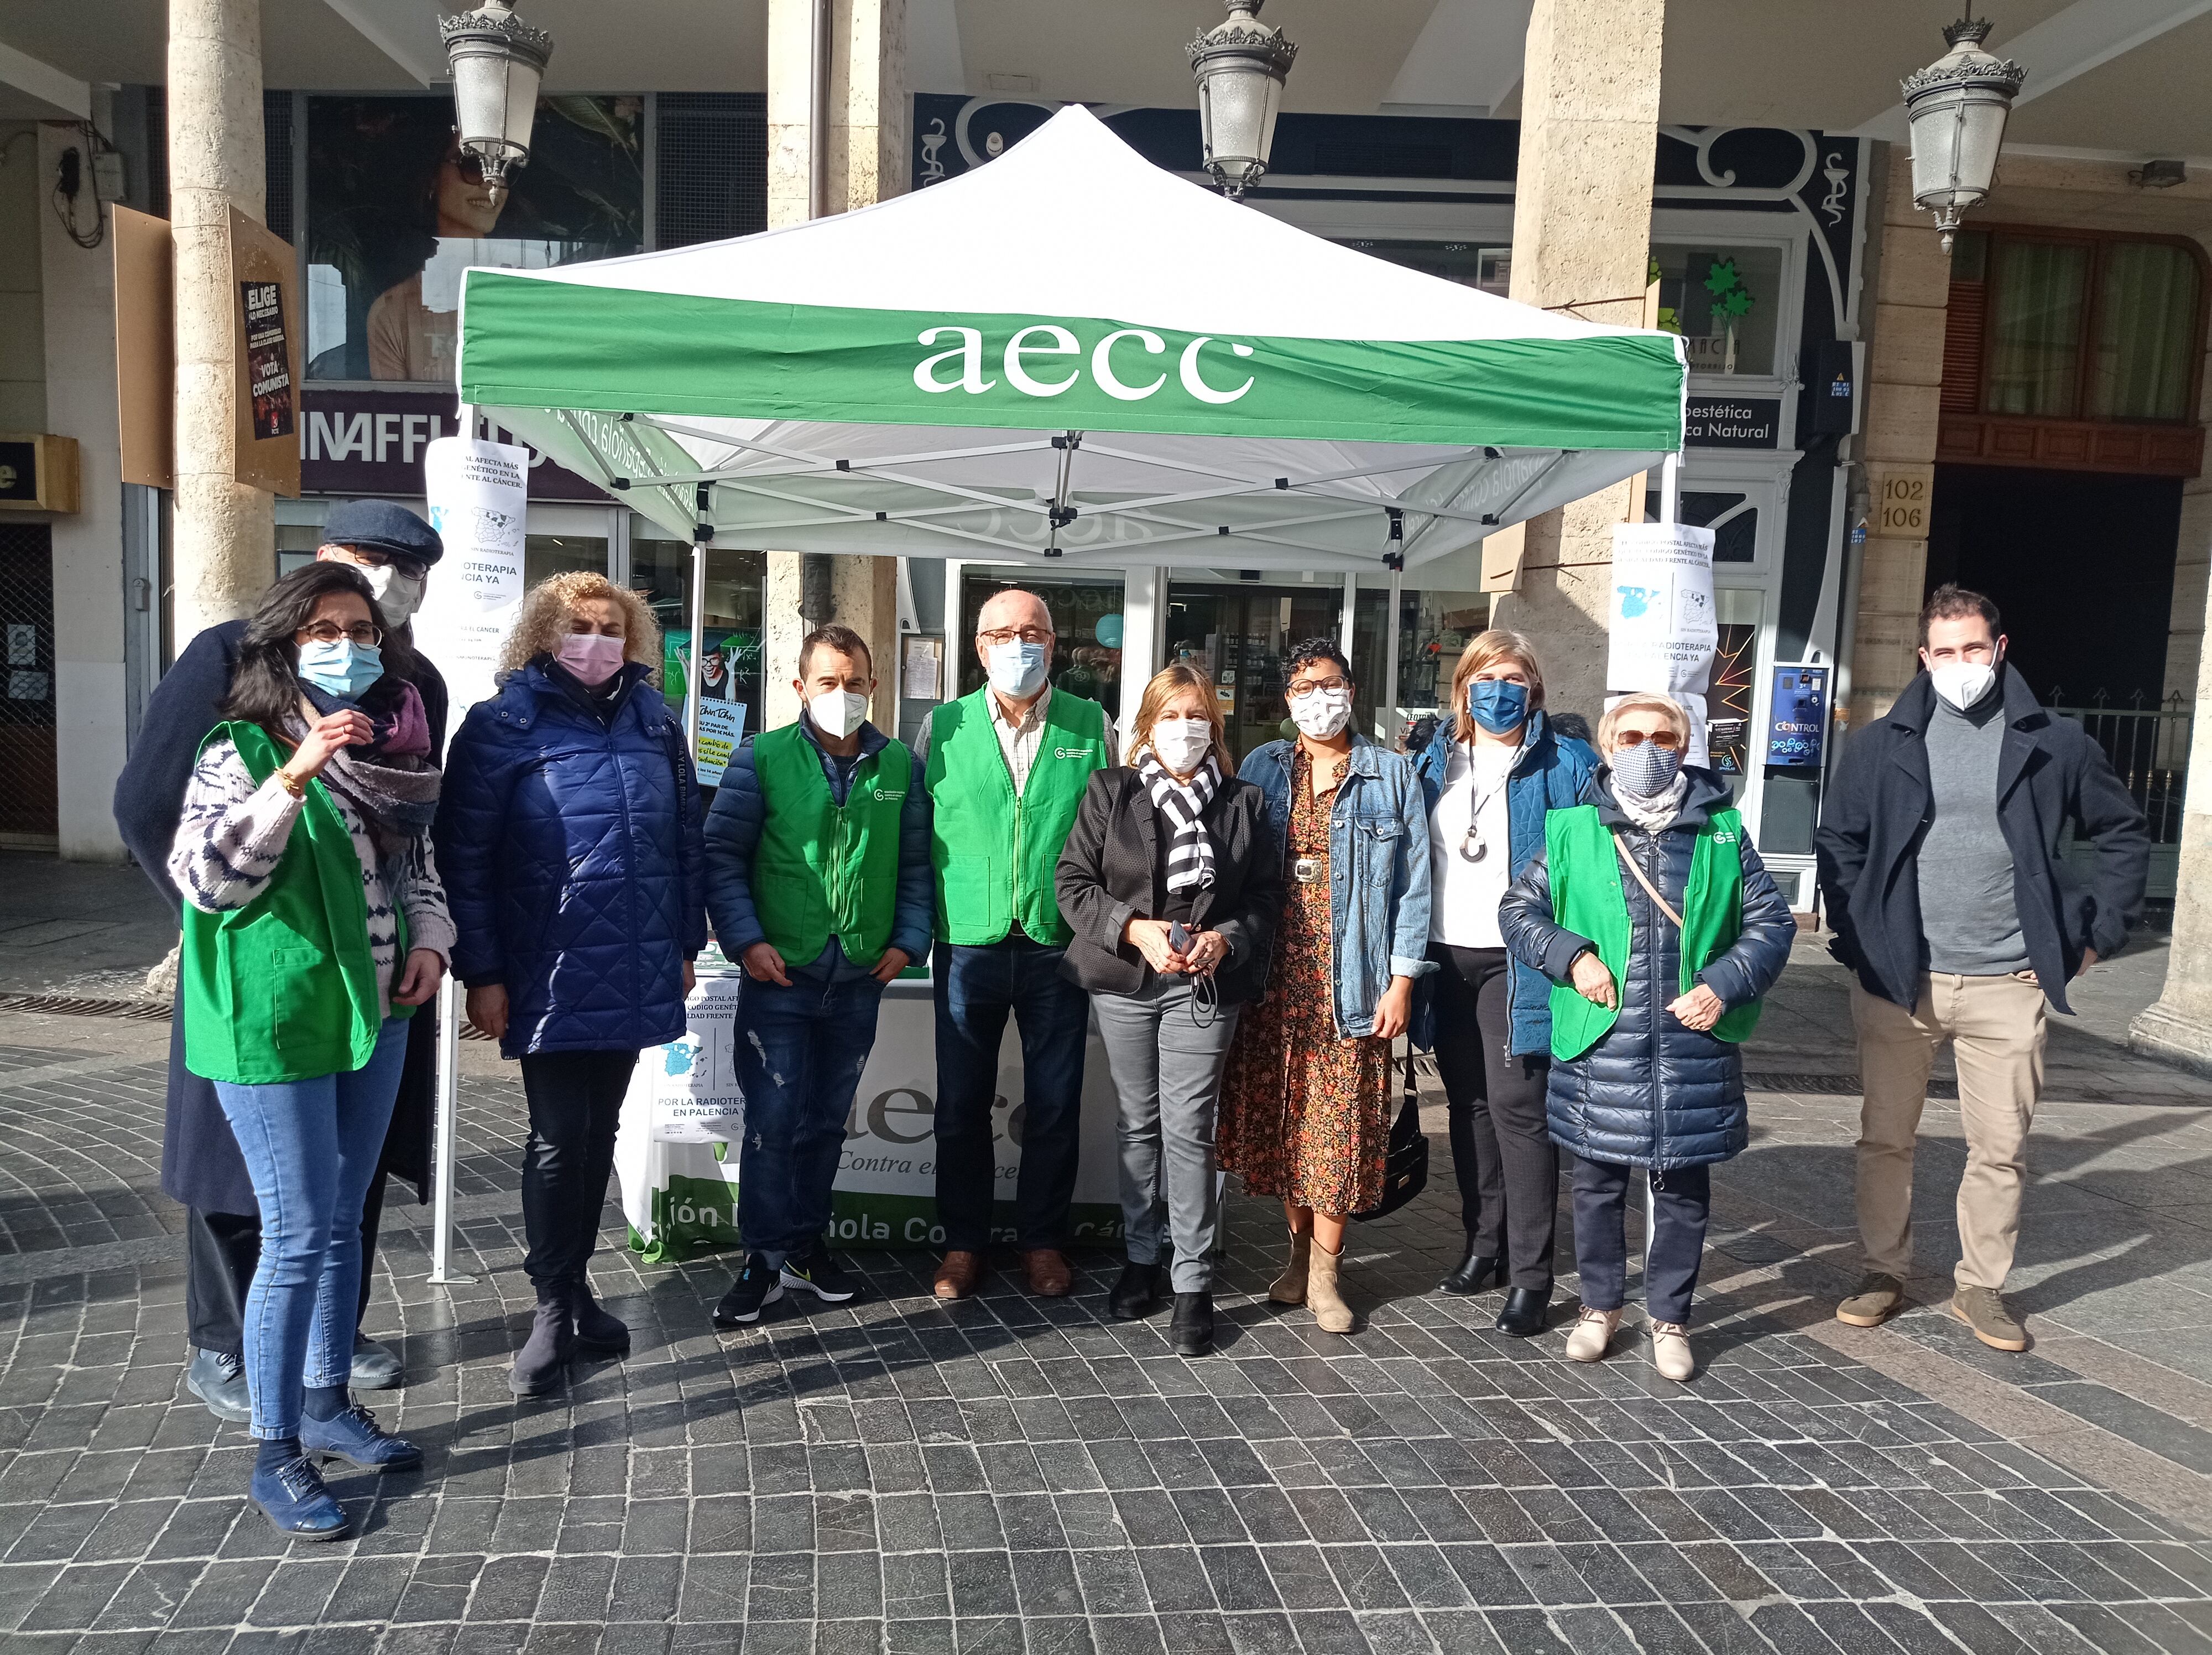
x=571, y=821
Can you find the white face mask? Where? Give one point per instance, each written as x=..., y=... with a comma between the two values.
x=837, y=713
x=1321, y=713
x=398, y=596
x=1181, y=743
x=1964, y=682
x=1017, y=670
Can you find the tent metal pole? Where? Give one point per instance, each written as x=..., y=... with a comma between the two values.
x=703, y=532
x=1670, y=488
x=449, y=1121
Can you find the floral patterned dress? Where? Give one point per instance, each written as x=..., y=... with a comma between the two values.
x=1305, y=1116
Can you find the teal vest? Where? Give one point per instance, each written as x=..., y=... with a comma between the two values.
x=994, y=854
x=822, y=870
x=284, y=988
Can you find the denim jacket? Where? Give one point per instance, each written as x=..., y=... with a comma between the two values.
x=1378, y=857
x=1553, y=772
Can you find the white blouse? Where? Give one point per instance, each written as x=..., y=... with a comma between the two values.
x=1464, y=892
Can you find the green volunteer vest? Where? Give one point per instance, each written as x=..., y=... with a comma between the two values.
x=1589, y=898
x=994, y=854
x=283, y=988
x=822, y=870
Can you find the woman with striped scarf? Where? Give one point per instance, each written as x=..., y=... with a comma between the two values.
x=1172, y=885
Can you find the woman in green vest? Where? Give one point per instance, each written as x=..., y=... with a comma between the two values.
x=1660, y=929
x=314, y=925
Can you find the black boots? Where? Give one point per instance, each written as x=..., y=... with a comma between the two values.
x=596, y=1330
x=537, y=1371
x=1525, y=1312
x=1191, y=1333
x=1137, y=1293
x=1474, y=1272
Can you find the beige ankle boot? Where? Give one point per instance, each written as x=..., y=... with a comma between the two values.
x=1328, y=1305
x=1289, y=1287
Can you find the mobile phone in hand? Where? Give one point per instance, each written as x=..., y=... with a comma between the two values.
x=1178, y=939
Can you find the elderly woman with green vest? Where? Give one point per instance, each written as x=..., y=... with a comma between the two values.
x=1660, y=929
x=314, y=925
x=1005, y=769
x=818, y=880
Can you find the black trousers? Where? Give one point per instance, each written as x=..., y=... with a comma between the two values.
x=223, y=1250
x=1503, y=1155
x=575, y=1104
x=1681, y=1201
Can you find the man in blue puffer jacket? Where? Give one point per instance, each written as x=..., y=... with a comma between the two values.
x=570, y=818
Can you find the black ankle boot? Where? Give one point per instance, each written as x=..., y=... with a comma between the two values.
x=1191, y=1333
x=1137, y=1293
x=538, y=1370
x=1524, y=1315
x=596, y=1330
x=1473, y=1272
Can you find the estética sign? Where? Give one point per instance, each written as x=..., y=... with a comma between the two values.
x=478, y=500
x=1733, y=422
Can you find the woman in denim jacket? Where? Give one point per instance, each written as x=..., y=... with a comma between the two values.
x=1305, y=1107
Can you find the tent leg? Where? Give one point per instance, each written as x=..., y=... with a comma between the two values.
x=449, y=1111
x=1670, y=489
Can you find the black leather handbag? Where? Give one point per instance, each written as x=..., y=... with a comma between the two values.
x=1406, y=1169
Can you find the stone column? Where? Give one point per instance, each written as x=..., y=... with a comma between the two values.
x=1904, y=383
x=864, y=158
x=226, y=535
x=1582, y=238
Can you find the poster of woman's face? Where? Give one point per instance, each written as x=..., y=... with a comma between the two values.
x=396, y=210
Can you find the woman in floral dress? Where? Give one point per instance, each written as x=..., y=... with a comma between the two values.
x=1306, y=1109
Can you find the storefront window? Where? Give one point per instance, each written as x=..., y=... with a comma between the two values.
x=395, y=213
x=1729, y=697
x=1086, y=622
x=296, y=545
x=544, y=554
x=736, y=592
x=1724, y=301
x=1434, y=627
x=1490, y=268
x=1242, y=636
x=2034, y=337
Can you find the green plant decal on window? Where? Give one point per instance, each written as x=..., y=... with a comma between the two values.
x=1670, y=319
x=1730, y=297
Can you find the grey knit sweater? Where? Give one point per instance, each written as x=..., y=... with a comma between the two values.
x=1969, y=915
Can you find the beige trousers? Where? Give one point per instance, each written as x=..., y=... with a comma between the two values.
x=1996, y=1024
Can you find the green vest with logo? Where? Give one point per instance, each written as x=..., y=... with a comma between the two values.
x=996, y=854
x=284, y=989
x=1589, y=898
x=822, y=869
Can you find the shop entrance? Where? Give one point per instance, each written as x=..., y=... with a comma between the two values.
x=1242, y=636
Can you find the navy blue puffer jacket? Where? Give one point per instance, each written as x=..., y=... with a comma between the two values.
x=570, y=849
x=1652, y=1092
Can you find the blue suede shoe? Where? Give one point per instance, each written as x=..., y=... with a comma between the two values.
x=292, y=1497
x=353, y=1437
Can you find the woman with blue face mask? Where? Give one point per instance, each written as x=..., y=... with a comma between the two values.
x=1490, y=774
x=1659, y=928
x=314, y=925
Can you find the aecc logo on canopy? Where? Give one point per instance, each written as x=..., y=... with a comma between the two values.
x=1040, y=340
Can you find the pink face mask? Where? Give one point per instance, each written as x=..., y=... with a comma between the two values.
x=592, y=658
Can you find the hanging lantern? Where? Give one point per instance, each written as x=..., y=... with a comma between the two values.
x=1240, y=64
x=1957, y=107
x=497, y=61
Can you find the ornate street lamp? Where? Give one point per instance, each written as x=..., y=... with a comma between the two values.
x=1240, y=64
x=497, y=60
x=1957, y=107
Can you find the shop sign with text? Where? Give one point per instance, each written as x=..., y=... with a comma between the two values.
x=1733, y=422
x=371, y=442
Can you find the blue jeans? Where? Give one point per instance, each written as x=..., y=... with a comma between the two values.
x=975, y=990
x=311, y=1147
x=799, y=1052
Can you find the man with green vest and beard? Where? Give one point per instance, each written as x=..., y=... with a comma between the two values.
x=1005, y=769
x=819, y=880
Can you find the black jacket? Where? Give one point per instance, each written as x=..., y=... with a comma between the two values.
x=1109, y=873
x=1652, y=1092
x=2049, y=772
x=200, y=1163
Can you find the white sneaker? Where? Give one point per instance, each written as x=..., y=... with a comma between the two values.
x=1670, y=1351
x=1592, y=1334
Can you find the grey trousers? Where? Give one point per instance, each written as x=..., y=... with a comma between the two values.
x=1168, y=1072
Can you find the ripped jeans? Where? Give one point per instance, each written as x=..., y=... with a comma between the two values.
x=799, y=1052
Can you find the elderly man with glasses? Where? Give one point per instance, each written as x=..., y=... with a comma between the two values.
x=1005, y=770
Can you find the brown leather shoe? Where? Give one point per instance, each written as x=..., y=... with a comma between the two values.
x=1048, y=1272
x=956, y=1276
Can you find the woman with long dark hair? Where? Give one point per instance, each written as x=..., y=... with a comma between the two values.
x=314, y=925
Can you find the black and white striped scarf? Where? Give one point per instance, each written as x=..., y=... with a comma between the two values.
x=1190, y=854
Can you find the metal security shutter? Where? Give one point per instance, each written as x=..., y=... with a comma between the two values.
x=277, y=149
x=711, y=160
x=29, y=805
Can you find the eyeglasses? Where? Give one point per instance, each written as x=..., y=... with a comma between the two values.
x=1300, y=691
x=1665, y=740
x=470, y=167
x=361, y=634
x=1015, y=635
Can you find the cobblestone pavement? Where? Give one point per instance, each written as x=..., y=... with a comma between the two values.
x=1028, y=1477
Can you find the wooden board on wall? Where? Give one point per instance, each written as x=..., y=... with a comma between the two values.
x=267, y=322
x=145, y=347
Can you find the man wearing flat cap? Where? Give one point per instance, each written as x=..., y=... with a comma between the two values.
x=201, y=1167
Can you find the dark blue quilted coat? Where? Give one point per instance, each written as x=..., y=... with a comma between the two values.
x=571, y=854
x=1652, y=1092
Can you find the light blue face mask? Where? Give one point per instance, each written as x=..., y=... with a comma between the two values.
x=339, y=666
x=1017, y=669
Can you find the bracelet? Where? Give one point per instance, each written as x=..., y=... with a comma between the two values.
x=291, y=783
